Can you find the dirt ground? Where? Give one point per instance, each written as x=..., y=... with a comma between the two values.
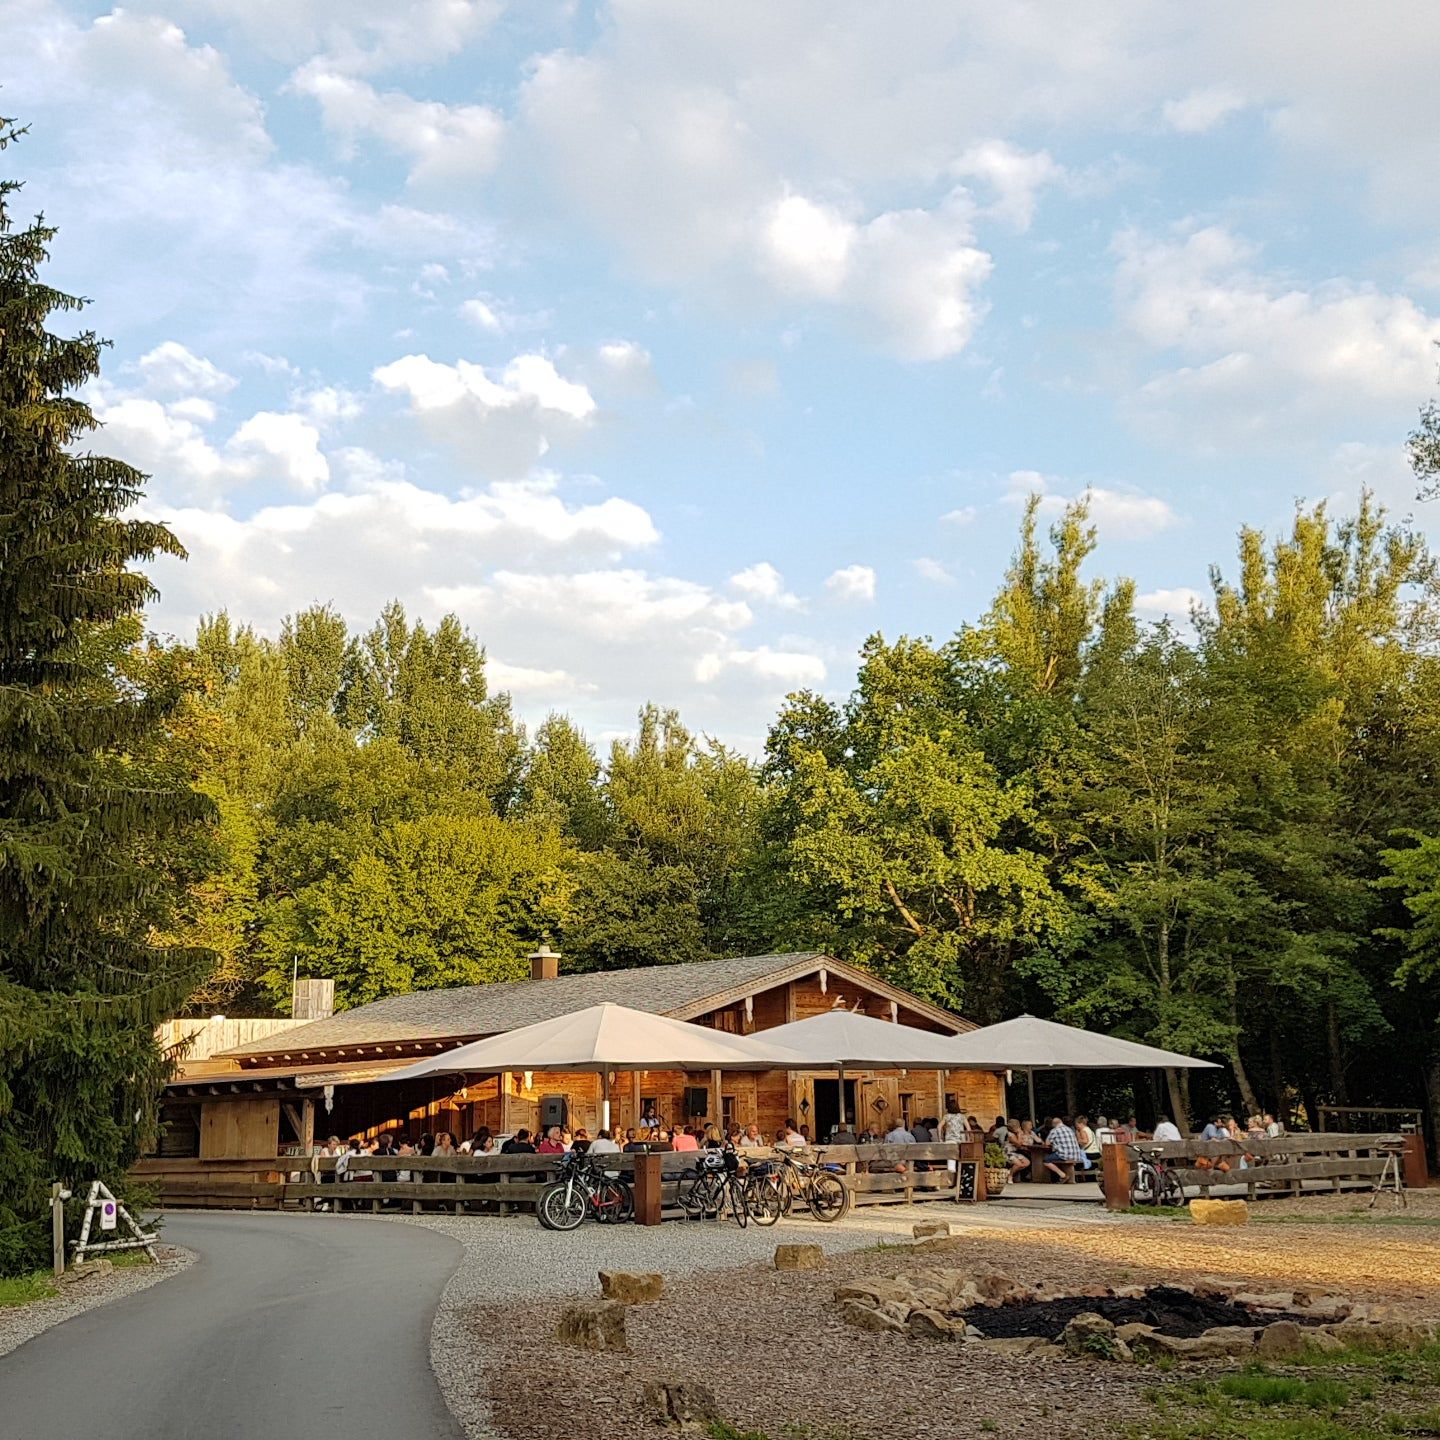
x=771, y=1347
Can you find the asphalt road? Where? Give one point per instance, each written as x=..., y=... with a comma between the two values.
x=286, y=1326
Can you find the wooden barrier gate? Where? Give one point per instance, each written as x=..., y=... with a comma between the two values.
x=1283, y=1163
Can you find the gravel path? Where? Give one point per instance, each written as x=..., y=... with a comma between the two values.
x=20, y=1323
x=510, y=1261
x=771, y=1347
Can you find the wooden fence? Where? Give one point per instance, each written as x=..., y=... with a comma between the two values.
x=1284, y=1164
x=874, y=1174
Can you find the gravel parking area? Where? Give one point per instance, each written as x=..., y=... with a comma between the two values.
x=771, y=1347
x=20, y=1323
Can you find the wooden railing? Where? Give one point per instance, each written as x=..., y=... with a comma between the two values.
x=1282, y=1164
x=875, y=1174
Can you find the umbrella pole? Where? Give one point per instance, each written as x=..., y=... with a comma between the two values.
x=605, y=1099
x=840, y=1078
x=1030, y=1082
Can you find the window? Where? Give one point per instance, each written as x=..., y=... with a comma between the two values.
x=727, y=1112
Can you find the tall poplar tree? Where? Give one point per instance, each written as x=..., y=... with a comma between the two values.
x=92, y=826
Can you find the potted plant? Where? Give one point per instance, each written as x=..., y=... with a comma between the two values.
x=997, y=1172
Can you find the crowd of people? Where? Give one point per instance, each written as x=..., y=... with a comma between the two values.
x=1069, y=1146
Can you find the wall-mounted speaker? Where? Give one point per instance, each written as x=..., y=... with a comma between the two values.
x=554, y=1110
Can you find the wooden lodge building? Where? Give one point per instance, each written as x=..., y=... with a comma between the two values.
x=275, y=1094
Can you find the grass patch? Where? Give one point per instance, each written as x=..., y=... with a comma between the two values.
x=25, y=1289
x=129, y=1259
x=1158, y=1212
x=1259, y=1388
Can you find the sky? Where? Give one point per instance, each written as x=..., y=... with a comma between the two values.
x=677, y=347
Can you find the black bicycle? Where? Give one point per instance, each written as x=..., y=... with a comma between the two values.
x=1154, y=1182
x=713, y=1185
x=775, y=1186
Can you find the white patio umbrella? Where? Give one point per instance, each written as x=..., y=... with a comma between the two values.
x=845, y=1040
x=1029, y=1044
x=602, y=1038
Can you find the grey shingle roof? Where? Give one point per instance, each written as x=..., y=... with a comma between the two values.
x=470, y=1011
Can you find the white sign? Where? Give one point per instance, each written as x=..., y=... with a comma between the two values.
x=107, y=1215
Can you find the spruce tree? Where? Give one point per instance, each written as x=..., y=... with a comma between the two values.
x=93, y=827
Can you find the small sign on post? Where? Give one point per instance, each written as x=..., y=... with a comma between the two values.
x=100, y=1201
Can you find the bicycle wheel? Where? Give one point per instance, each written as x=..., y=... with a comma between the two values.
x=739, y=1204
x=763, y=1197
x=540, y=1203
x=691, y=1198
x=827, y=1196
x=615, y=1203
x=1171, y=1190
x=563, y=1207
x=1145, y=1188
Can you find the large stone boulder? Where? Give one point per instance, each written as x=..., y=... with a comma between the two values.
x=594, y=1325
x=932, y=1325
x=798, y=1257
x=1280, y=1340
x=929, y=1229
x=1378, y=1335
x=1219, y=1212
x=877, y=1290
x=631, y=1288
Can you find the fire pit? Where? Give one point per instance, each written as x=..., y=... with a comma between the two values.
x=1206, y=1320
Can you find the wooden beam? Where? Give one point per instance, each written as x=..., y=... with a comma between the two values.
x=717, y=1108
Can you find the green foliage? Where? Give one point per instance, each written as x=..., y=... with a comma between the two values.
x=98, y=828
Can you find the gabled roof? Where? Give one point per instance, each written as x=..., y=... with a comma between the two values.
x=468, y=1012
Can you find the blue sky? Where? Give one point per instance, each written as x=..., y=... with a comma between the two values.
x=677, y=347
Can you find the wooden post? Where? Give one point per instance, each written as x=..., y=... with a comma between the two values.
x=1417, y=1176
x=1115, y=1176
x=57, y=1227
x=647, y=1189
x=502, y=1080
x=307, y=1126
x=635, y=1098
x=716, y=1104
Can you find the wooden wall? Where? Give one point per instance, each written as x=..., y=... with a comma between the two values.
x=240, y=1127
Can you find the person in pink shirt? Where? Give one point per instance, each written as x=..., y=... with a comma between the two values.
x=552, y=1144
x=685, y=1140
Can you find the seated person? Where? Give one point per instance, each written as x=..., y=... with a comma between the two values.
x=634, y=1145
x=1166, y=1129
x=789, y=1135
x=660, y=1141
x=685, y=1140
x=753, y=1139
x=1064, y=1149
x=842, y=1134
x=604, y=1144
x=553, y=1143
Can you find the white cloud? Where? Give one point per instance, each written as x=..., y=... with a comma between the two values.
x=787, y=668
x=907, y=278
x=290, y=442
x=1175, y=604
x=482, y=313
x=1202, y=110
x=1263, y=350
x=171, y=368
x=933, y=570
x=1015, y=176
x=501, y=424
x=764, y=584
x=1116, y=514
x=360, y=35
x=445, y=144
x=530, y=684
x=852, y=582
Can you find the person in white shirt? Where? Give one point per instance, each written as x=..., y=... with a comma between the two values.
x=604, y=1144
x=953, y=1125
x=1166, y=1129
x=1273, y=1128
x=899, y=1135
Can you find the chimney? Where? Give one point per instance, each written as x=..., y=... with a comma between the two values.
x=544, y=963
x=313, y=999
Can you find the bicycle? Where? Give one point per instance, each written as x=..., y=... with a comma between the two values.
x=584, y=1188
x=714, y=1184
x=1154, y=1182
x=826, y=1195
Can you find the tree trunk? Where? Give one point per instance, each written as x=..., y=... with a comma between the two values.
x=1248, y=1102
x=1432, y=1093
x=1177, y=1101
x=1339, y=1093
x=1072, y=1103
x=1277, y=1078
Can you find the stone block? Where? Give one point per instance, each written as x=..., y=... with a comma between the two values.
x=1092, y=1335
x=931, y=1325
x=1015, y=1345
x=631, y=1288
x=928, y=1229
x=863, y=1317
x=798, y=1257
x=595, y=1325
x=1219, y=1212
x=685, y=1403
x=1280, y=1340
